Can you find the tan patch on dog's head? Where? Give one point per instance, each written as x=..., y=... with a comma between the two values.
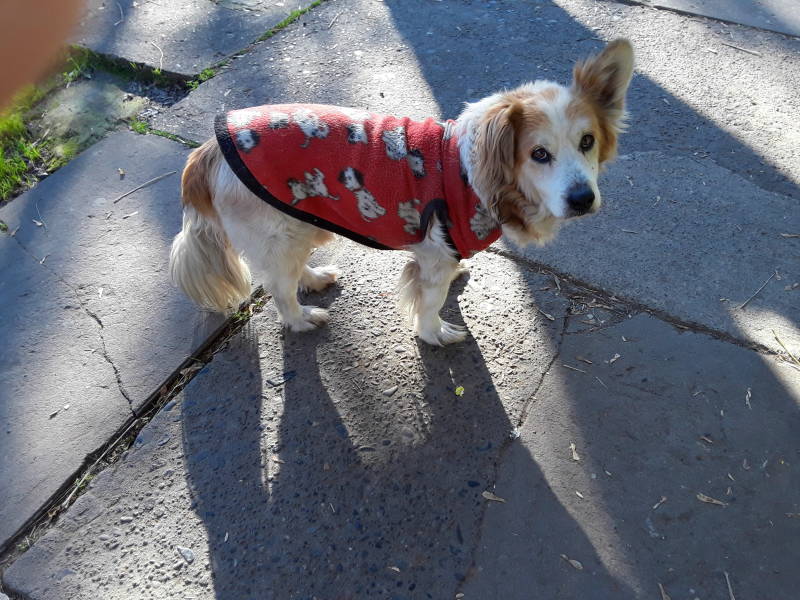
x=599, y=86
x=501, y=155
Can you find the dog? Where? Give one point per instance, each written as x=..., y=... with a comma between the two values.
x=530, y=156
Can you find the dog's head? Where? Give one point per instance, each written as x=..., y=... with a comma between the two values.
x=537, y=150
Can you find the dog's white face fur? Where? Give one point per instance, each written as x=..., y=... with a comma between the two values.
x=531, y=154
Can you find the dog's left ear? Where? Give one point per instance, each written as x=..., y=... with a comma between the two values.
x=602, y=81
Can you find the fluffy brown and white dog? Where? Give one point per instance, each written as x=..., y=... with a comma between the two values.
x=532, y=155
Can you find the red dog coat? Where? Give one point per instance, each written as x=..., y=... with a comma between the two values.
x=373, y=178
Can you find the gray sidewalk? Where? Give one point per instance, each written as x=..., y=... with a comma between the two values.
x=342, y=463
x=361, y=473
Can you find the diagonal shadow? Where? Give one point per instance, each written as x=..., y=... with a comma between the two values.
x=341, y=490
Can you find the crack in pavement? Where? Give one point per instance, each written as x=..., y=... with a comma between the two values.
x=501, y=455
x=90, y=314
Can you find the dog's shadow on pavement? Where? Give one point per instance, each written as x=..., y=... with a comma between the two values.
x=316, y=481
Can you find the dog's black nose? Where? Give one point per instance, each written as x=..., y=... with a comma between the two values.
x=580, y=198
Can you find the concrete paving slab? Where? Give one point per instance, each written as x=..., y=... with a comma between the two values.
x=339, y=463
x=55, y=406
x=192, y=34
x=775, y=15
x=693, y=240
x=691, y=94
x=93, y=317
x=671, y=420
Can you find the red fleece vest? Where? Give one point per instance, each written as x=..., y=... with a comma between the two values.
x=373, y=178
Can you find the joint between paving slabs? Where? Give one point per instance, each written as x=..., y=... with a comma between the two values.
x=121, y=441
x=633, y=308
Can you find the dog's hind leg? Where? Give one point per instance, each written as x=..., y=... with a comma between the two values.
x=276, y=245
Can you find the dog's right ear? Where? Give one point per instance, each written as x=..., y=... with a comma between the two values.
x=496, y=148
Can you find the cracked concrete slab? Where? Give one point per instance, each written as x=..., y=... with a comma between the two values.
x=180, y=36
x=675, y=415
x=55, y=407
x=294, y=465
x=93, y=315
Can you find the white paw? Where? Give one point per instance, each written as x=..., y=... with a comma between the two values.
x=319, y=278
x=462, y=269
x=312, y=318
x=445, y=333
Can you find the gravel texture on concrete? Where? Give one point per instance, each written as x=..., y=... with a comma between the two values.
x=92, y=320
x=660, y=417
x=179, y=36
x=775, y=15
x=294, y=466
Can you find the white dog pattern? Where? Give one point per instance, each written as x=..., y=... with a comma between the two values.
x=246, y=139
x=356, y=134
x=313, y=187
x=395, y=140
x=353, y=180
x=410, y=214
x=417, y=163
x=482, y=223
x=311, y=126
x=279, y=120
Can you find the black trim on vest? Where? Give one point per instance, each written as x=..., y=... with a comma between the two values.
x=438, y=207
x=238, y=166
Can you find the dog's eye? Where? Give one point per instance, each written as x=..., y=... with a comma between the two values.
x=541, y=155
x=587, y=142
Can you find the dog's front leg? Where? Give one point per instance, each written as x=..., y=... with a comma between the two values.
x=423, y=291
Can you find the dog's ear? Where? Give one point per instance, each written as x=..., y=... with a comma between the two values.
x=359, y=177
x=496, y=148
x=602, y=81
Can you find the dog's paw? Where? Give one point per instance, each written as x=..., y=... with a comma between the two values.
x=312, y=318
x=318, y=278
x=462, y=269
x=446, y=333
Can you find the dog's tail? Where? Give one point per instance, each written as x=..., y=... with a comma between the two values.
x=202, y=261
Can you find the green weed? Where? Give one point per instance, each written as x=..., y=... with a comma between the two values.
x=293, y=16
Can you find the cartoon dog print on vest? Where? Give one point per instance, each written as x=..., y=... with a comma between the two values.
x=246, y=139
x=311, y=126
x=356, y=134
x=416, y=162
x=395, y=141
x=278, y=120
x=313, y=187
x=353, y=180
x=481, y=223
x=409, y=212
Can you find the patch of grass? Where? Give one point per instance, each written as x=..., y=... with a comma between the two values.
x=17, y=149
x=204, y=75
x=139, y=127
x=174, y=138
x=293, y=16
